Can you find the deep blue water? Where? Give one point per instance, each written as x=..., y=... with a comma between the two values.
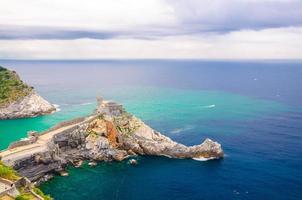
x=257, y=117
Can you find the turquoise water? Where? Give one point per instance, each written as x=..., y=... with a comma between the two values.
x=161, y=105
x=252, y=108
x=12, y=130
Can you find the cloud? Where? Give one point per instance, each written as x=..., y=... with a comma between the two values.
x=101, y=19
x=71, y=29
x=229, y=15
x=101, y=15
x=29, y=33
x=246, y=44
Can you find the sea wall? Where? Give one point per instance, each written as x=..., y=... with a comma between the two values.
x=62, y=149
x=64, y=124
x=107, y=135
x=32, y=138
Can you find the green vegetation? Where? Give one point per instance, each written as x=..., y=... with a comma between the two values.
x=11, y=87
x=8, y=173
x=93, y=135
x=26, y=196
x=101, y=117
x=41, y=194
x=127, y=124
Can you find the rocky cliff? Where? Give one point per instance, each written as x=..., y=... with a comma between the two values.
x=109, y=134
x=18, y=100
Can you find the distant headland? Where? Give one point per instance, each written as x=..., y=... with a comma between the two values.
x=18, y=100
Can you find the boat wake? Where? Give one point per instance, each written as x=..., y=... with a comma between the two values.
x=179, y=130
x=210, y=106
x=86, y=103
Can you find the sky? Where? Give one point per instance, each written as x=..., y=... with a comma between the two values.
x=129, y=29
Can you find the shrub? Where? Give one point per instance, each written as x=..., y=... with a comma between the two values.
x=40, y=193
x=26, y=196
x=8, y=173
x=11, y=87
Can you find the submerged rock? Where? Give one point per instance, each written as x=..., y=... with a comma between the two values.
x=78, y=163
x=92, y=164
x=64, y=173
x=133, y=162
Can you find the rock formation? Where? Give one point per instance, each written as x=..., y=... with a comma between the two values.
x=18, y=100
x=109, y=134
x=31, y=105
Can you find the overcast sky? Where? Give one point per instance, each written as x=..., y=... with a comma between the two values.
x=96, y=29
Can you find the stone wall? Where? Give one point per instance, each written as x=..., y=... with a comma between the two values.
x=56, y=157
x=32, y=139
x=72, y=137
x=20, y=143
x=65, y=123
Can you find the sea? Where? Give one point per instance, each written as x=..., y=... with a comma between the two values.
x=253, y=108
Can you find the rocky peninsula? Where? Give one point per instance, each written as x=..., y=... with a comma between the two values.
x=109, y=134
x=18, y=100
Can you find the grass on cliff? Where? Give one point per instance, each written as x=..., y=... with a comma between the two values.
x=41, y=194
x=11, y=87
x=8, y=173
x=25, y=194
x=127, y=124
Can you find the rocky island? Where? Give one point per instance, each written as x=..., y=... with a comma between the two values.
x=18, y=100
x=108, y=134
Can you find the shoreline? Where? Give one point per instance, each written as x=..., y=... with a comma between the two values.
x=108, y=134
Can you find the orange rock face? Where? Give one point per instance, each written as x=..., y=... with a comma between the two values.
x=111, y=133
x=97, y=126
x=104, y=128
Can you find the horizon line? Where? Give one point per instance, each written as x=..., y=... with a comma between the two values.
x=160, y=59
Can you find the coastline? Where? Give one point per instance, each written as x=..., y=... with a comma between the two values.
x=19, y=100
x=98, y=137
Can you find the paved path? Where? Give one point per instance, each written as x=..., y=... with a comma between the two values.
x=6, y=188
x=3, y=187
x=10, y=155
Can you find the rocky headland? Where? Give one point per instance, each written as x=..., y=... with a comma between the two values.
x=109, y=134
x=18, y=100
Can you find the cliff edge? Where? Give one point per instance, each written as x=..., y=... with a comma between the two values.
x=110, y=133
x=18, y=100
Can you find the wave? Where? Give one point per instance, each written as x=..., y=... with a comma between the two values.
x=57, y=107
x=71, y=104
x=86, y=103
x=179, y=130
x=210, y=106
x=204, y=159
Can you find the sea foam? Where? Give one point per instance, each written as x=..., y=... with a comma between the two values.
x=86, y=103
x=210, y=106
x=179, y=130
x=57, y=107
x=203, y=159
